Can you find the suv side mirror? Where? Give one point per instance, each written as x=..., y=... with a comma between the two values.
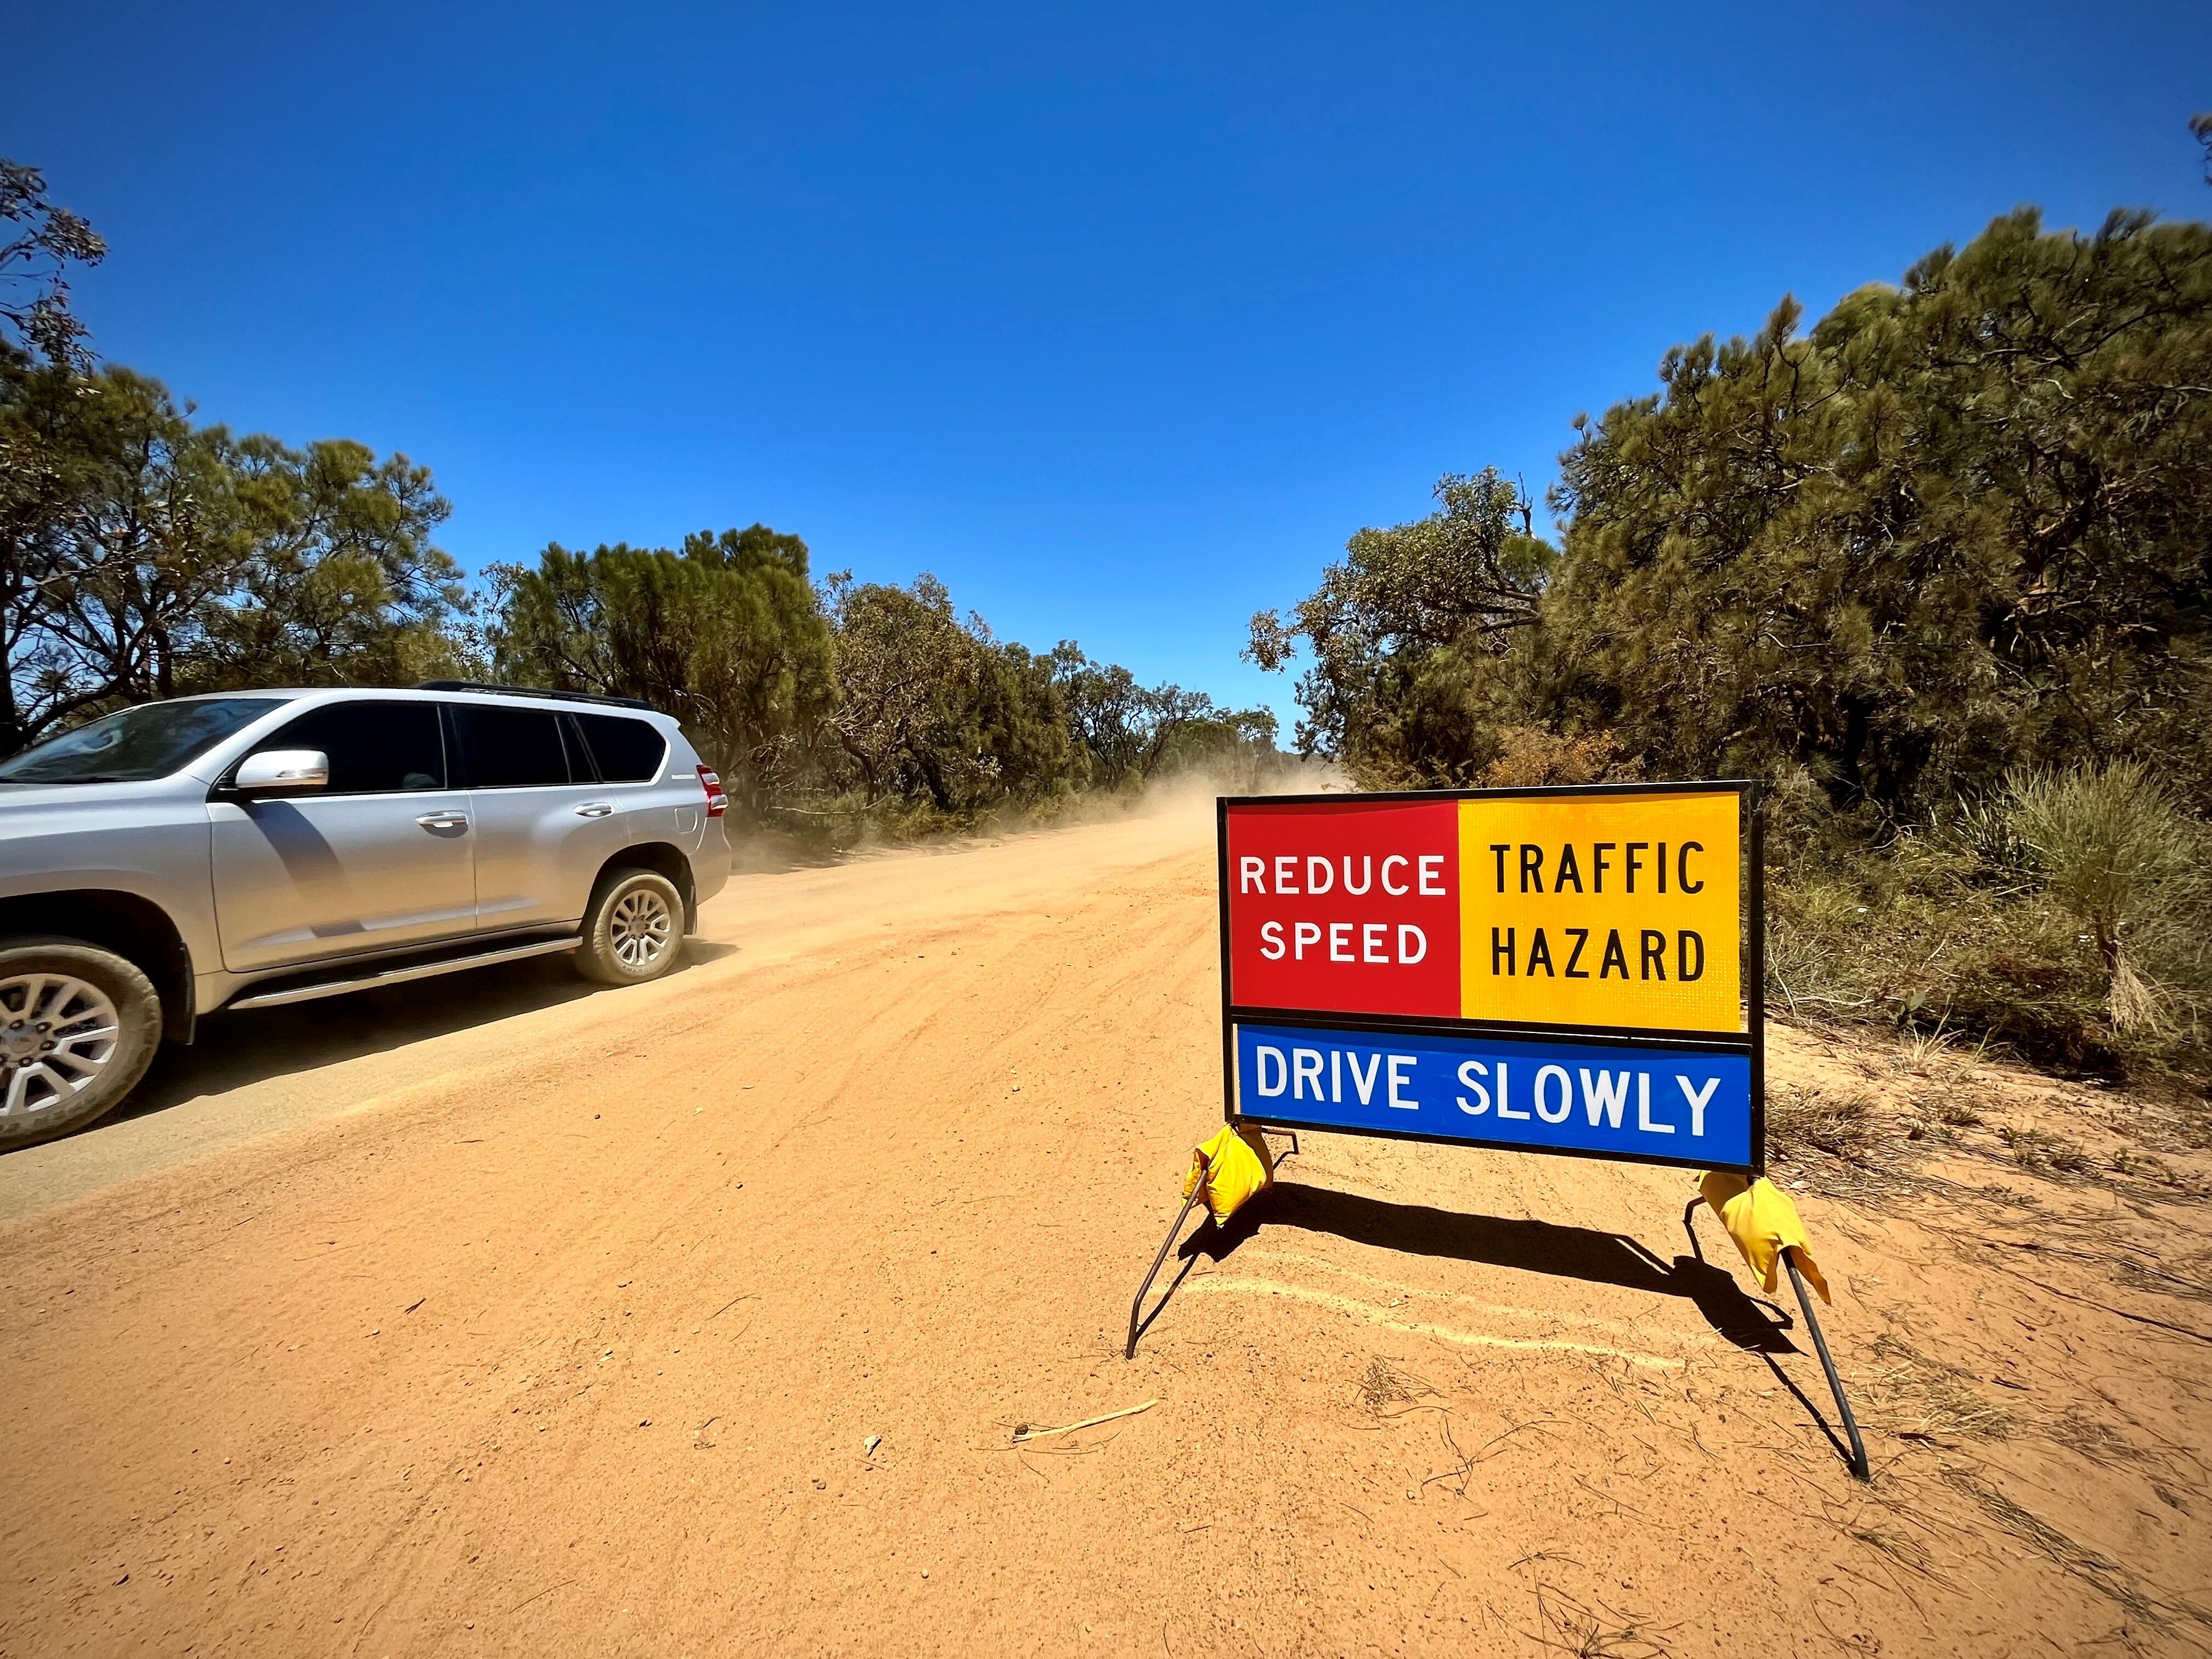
x=283, y=772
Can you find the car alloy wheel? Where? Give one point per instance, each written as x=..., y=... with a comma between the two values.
x=641, y=929
x=57, y=1034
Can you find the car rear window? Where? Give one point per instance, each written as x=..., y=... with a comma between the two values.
x=626, y=751
x=511, y=748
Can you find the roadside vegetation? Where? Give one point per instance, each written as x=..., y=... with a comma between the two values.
x=833, y=705
x=1933, y=570
x=144, y=555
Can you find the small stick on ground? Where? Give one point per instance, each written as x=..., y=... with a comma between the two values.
x=1026, y=1433
x=527, y=1600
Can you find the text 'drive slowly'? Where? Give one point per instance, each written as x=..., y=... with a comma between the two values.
x=1676, y=1106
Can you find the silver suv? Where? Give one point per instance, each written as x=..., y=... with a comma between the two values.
x=248, y=849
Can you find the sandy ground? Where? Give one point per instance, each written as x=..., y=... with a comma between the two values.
x=490, y=1316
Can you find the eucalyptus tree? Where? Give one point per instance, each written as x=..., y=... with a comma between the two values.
x=1409, y=630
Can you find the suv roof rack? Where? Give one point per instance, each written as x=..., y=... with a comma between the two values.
x=534, y=691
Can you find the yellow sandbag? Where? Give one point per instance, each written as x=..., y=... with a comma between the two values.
x=1762, y=1220
x=1234, y=1165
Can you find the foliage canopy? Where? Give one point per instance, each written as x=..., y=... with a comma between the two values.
x=1960, y=526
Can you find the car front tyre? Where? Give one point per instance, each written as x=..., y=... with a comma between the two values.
x=78, y=1027
x=634, y=930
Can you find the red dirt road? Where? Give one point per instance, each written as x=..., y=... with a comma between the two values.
x=492, y=1318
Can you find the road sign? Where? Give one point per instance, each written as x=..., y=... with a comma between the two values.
x=1568, y=971
x=1575, y=970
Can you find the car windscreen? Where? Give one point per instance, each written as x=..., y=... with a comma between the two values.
x=150, y=741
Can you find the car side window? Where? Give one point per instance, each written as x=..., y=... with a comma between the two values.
x=375, y=748
x=628, y=751
x=510, y=748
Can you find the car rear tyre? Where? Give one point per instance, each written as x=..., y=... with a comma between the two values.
x=635, y=929
x=78, y=1027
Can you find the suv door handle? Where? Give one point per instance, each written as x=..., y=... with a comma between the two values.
x=444, y=820
x=594, y=809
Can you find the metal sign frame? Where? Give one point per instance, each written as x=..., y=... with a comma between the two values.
x=1750, y=1042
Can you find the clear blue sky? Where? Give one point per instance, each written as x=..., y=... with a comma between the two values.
x=1120, y=324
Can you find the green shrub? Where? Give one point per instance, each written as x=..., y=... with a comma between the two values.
x=2004, y=922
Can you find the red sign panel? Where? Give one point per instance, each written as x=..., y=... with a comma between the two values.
x=1347, y=905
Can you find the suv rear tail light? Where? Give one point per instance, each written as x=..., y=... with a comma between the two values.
x=717, y=802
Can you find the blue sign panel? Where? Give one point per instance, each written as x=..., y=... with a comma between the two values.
x=1610, y=1099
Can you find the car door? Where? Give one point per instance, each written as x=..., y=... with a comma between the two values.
x=543, y=825
x=380, y=858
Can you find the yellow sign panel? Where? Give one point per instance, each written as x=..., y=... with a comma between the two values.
x=1603, y=909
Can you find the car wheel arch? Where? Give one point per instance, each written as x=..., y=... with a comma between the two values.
x=133, y=926
x=662, y=859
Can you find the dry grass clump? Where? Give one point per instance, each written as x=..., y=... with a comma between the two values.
x=1906, y=1551
x=2067, y=918
x=1804, y=1115
x=2094, y=1438
x=1384, y=1385
x=2108, y=843
x=1915, y=1397
x=2140, y=1270
x=2037, y=1149
x=1595, y=1632
x=1957, y=1113
x=1935, y=1054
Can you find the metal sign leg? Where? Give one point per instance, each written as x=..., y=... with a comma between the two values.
x=1136, y=1307
x=1859, y=1465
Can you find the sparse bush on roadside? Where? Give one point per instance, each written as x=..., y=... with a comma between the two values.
x=1904, y=941
x=1529, y=756
x=2068, y=919
x=2111, y=850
